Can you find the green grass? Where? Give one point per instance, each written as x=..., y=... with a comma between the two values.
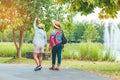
x=110, y=69
x=86, y=51
x=7, y=49
x=79, y=51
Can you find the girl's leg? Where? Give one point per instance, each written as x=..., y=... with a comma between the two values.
x=36, y=58
x=53, y=58
x=35, y=54
x=40, y=59
x=41, y=55
x=59, y=55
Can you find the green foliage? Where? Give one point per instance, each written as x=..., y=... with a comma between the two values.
x=24, y=12
x=78, y=31
x=91, y=34
x=68, y=26
x=109, y=7
x=73, y=32
x=6, y=36
x=28, y=36
x=20, y=13
x=100, y=28
x=12, y=14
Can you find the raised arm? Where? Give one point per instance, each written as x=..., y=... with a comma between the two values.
x=34, y=24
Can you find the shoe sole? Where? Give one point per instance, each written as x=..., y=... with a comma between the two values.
x=37, y=69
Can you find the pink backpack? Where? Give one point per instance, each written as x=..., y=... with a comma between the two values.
x=54, y=39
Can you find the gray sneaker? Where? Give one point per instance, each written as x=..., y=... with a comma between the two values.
x=37, y=68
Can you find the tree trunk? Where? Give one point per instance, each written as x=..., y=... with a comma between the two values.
x=19, y=45
x=19, y=53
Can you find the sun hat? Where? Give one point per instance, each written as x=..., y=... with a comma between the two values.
x=41, y=25
x=56, y=24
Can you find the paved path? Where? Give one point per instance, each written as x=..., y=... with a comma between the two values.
x=25, y=72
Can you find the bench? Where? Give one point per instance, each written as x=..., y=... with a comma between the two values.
x=46, y=55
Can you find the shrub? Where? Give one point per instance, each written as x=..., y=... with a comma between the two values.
x=90, y=51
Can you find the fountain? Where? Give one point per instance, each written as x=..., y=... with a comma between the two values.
x=112, y=38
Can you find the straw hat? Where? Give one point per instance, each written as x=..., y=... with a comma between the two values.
x=41, y=25
x=56, y=24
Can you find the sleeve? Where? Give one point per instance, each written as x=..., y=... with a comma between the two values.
x=34, y=24
x=45, y=39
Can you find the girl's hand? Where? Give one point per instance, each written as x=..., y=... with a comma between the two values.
x=36, y=17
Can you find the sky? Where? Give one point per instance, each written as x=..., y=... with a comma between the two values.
x=94, y=16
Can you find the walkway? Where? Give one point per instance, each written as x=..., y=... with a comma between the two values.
x=25, y=72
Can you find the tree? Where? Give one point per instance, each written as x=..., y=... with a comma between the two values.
x=68, y=26
x=91, y=34
x=18, y=16
x=78, y=31
x=109, y=8
x=100, y=28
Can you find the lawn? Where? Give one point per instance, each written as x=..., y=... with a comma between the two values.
x=110, y=69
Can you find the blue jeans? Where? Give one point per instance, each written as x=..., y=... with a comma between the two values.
x=57, y=50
